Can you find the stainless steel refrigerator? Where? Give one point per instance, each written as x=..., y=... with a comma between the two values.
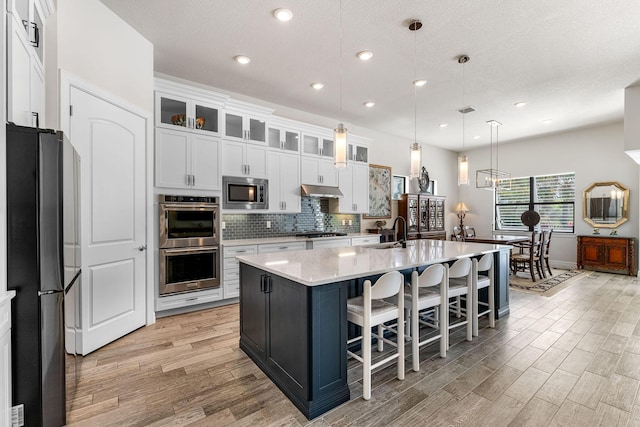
x=35, y=270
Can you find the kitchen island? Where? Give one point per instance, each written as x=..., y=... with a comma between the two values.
x=293, y=318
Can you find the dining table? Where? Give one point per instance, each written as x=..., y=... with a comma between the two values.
x=499, y=239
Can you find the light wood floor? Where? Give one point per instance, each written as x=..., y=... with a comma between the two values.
x=568, y=360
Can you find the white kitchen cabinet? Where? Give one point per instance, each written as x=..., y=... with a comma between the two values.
x=187, y=160
x=188, y=299
x=174, y=111
x=284, y=182
x=282, y=247
x=318, y=171
x=25, y=75
x=374, y=239
x=5, y=358
x=242, y=159
x=317, y=145
x=335, y=242
x=354, y=184
x=282, y=138
x=231, y=268
x=357, y=151
x=245, y=127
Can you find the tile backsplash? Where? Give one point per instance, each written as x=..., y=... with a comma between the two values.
x=314, y=216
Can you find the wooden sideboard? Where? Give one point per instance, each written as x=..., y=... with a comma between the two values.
x=424, y=214
x=607, y=253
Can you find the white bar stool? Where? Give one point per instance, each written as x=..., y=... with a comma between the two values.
x=429, y=292
x=371, y=310
x=485, y=264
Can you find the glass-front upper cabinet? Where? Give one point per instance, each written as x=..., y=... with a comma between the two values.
x=173, y=111
x=358, y=153
x=245, y=127
x=316, y=145
x=283, y=139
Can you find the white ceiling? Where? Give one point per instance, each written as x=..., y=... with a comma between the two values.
x=570, y=60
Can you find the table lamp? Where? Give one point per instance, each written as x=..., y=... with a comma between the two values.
x=461, y=209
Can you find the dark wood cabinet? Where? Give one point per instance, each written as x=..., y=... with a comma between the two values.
x=424, y=214
x=607, y=253
x=297, y=335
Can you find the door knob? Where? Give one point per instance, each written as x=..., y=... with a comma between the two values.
x=142, y=248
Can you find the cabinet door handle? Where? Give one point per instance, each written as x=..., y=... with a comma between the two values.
x=262, y=277
x=285, y=205
x=248, y=169
x=193, y=180
x=35, y=40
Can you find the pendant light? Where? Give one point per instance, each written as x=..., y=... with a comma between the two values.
x=340, y=133
x=491, y=178
x=463, y=160
x=415, y=163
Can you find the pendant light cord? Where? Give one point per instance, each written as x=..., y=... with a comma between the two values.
x=415, y=88
x=340, y=65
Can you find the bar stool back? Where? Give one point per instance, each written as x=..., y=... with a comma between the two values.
x=371, y=310
x=429, y=292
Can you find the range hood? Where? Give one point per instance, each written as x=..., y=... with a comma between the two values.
x=321, y=191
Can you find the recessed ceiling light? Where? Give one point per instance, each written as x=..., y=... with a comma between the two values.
x=242, y=59
x=369, y=104
x=420, y=82
x=317, y=85
x=283, y=15
x=520, y=104
x=547, y=121
x=444, y=125
x=476, y=137
x=365, y=55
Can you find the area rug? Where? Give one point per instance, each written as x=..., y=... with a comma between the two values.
x=561, y=279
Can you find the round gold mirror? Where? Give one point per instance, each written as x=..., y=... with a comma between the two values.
x=606, y=204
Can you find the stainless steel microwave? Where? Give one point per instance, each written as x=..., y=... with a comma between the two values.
x=245, y=193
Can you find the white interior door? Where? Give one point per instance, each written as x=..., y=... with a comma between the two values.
x=111, y=143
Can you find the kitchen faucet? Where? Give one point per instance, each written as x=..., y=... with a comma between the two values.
x=404, y=230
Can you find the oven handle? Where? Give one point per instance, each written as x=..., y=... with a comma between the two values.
x=190, y=207
x=191, y=249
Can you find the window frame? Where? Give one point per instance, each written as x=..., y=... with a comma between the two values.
x=531, y=205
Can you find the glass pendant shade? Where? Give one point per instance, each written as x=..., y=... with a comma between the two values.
x=463, y=170
x=493, y=178
x=416, y=160
x=340, y=146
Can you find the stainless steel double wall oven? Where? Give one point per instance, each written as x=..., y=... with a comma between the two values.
x=189, y=243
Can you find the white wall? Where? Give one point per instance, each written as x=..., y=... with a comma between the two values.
x=594, y=154
x=95, y=45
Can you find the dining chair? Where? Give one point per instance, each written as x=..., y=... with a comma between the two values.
x=373, y=309
x=528, y=256
x=461, y=285
x=545, y=252
x=425, y=305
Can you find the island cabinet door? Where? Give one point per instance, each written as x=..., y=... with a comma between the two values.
x=287, y=329
x=253, y=310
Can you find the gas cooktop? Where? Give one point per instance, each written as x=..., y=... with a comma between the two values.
x=313, y=234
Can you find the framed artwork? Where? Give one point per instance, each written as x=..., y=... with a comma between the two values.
x=379, y=192
x=398, y=186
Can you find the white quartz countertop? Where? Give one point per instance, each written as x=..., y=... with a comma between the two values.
x=285, y=239
x=321, y=266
